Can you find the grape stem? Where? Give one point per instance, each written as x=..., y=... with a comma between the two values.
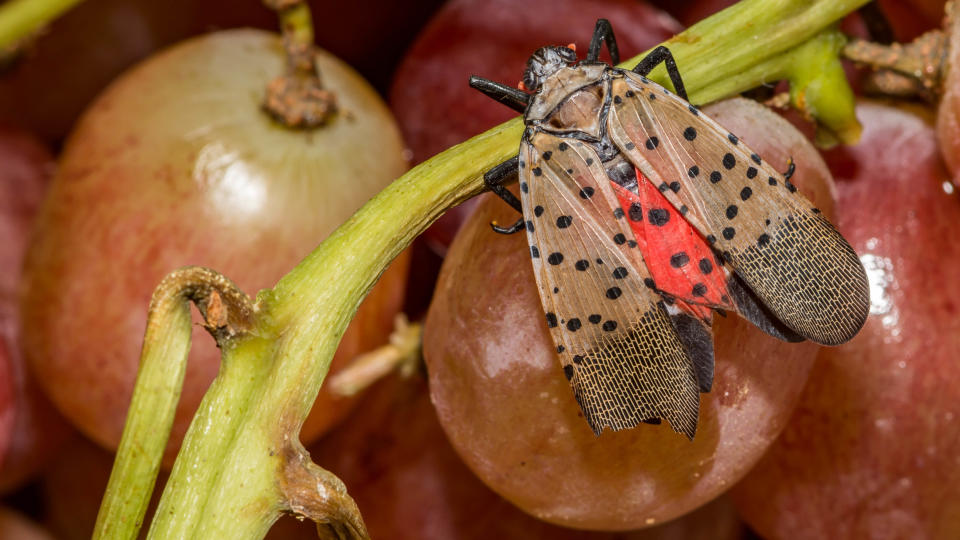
x=227, y=313
x=910, y=69
x=241, y=453
x=297, y=98
x=21, y=19
x=401, y=355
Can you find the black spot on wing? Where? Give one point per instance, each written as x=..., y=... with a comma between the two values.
x=679, y=259
x=551, y=319
x=658, y=216
x=729, y=161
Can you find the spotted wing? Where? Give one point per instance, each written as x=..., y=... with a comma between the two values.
x=617, y=344
x=779, y=245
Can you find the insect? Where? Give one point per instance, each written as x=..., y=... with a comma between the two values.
x=644, y=218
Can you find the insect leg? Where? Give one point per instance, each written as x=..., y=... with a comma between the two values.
x=500, y=175
x=791, y=168
x=511, y=97
x=652, y=60
x=603, y=32
x=516, y=227
x=495, y=179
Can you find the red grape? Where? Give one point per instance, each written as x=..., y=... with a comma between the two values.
x=509, y=411
x=410, y=484
x=29, y=423
x=871, y=451
x=15, y=526
x=176, y=164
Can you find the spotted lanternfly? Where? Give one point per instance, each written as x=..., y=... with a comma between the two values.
x=644, y=218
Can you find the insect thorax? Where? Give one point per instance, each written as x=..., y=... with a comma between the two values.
x=581, y=114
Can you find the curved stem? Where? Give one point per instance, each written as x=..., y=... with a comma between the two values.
x=227, y=312
x=819, y=89
x=315, y=493
x=21, y=18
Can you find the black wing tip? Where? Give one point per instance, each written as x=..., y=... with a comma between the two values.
x=752, y=308
x=860, y=314
x=697, y=339
x=682, y=424
x=847, y=331
x=687, y=428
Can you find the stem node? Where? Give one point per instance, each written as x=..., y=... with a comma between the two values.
x=316, y=493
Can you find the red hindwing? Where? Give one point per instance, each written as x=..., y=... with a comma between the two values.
x=680, y=261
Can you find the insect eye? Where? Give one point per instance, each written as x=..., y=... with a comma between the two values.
x=531, y=81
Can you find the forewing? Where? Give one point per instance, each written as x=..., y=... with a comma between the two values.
x=784, y=250
x=616, y=343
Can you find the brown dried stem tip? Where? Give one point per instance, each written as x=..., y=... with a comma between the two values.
x=297, y=98
x=227, y=311
x=315, y=493
x=915, y=69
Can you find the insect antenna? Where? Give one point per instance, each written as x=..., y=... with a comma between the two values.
x=603, y=32
x=511, y=97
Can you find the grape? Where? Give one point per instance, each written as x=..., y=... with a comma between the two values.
x=30, y=428
x=175, y=164
x=871, y=451
x=509, y=411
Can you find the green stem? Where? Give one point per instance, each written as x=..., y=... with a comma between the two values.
x=292, y=370
x=818, y=88
x=756, y=42
x=163, y=362
x=21, y=18
x=229, y=480
x=297, y=23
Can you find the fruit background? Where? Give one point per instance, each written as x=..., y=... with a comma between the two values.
x=132, y=143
